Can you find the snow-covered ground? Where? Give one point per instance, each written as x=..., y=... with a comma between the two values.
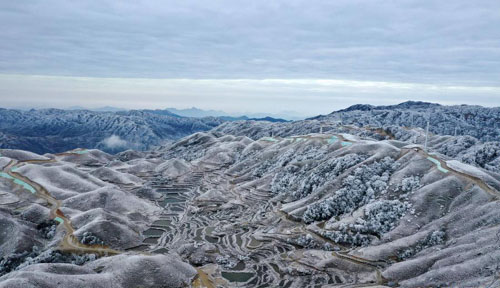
x=300, y=211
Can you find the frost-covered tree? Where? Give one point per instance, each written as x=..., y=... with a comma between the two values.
x=379, y=217
x=409, y=184
x=20, y=260
x=47, y=228
x=457, y=145
x=326, y=171
x=434, y=238
x=298, y=183
x=264, y=168
x=347, y=237
x=292, y=156
x=358, y=189
x=89, y=238
x=284, y=179
x=486, y=155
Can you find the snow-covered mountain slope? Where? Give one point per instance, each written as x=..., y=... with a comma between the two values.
x=480, y=122
x=464, y=148
x=62, y=214
x=54, y=130
x=351, y=206
x=335, y=209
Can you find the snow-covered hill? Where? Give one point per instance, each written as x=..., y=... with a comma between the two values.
x=253, y=204
x=480, y=122
x=405, y=122
x=54, y=130
x=313, y=210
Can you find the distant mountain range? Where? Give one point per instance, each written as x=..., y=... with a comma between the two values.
x=200, y=113
x=207, y=113
x=56, y=130
x=195, y=112
x=99, y=109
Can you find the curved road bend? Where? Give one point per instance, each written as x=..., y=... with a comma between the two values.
x=483, y=185
x=70, y=242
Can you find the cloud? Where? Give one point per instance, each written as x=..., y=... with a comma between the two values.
x=424, y=41
x=258, y=56
x=115, y=142
x=307, y=96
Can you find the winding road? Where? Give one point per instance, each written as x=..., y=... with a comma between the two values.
x=444, y=167
x=70, y=242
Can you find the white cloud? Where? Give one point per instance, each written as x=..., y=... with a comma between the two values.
x=114, y=141
x=307, y=96
x=407, y=41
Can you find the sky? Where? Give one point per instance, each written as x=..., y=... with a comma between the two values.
x=305, y=57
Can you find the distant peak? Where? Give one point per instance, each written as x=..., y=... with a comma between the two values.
x=403, y=105
x=413, y=104
x=358, y=107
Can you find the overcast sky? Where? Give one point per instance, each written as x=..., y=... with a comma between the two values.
x=260, y=56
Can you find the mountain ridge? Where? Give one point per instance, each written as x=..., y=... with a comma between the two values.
x=52, y=130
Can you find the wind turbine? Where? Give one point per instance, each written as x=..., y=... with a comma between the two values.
x=427, y=131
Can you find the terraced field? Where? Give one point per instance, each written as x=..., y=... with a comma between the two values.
x=224, y=218
x=315, y=210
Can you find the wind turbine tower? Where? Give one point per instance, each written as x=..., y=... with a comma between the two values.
x=427, y=133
